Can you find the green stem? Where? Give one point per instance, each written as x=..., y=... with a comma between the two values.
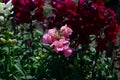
x=93, y=69
x=31, y=28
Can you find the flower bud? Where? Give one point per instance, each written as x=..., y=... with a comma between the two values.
x=10, y=33
x=2, y=40
x=37, y=57
x=29, y=43
x=14, y=40
x=10, y=41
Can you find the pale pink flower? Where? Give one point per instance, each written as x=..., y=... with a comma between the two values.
x=57, y=46
x=53, y=33
x=66, y=31
x=67, y=52
x=47, y=39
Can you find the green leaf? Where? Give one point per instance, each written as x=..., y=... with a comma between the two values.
x=16, y=78
x=17, y=66
x=27, y=77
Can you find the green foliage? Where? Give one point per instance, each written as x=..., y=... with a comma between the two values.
x=19, y=60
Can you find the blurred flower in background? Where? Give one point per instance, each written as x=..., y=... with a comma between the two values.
x=27, y=10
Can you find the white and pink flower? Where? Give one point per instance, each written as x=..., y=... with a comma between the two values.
x=53, y=33
x=66, y=31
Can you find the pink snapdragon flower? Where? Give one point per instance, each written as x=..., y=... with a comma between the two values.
x=59, y=43
x=47, y=39
x=66, y=31
x=50, y=37
x=57, y=46
x=67, y=52
x=62, y=46
x=53, y=33
x=66, y=43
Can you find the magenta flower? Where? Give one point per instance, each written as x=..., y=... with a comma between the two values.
x=66, y=31
x=67, y=52
x=53, y=33
x=65, y=43
x=57, y=46
x=62, y=46
x=50, y=37
x=59, y=43
x=47, y=39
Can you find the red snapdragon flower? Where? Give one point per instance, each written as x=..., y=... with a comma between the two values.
x=62, y=9
x=87, y=17
x=26, y=10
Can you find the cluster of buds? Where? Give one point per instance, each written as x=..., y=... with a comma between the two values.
x=59, y=40
x=9, y=41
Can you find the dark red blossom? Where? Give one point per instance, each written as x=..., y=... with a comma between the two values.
x=63, y=9
x=101, y=44
x=26, y=10
x=87, y=17
x=99, y=2
x=22, y=17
